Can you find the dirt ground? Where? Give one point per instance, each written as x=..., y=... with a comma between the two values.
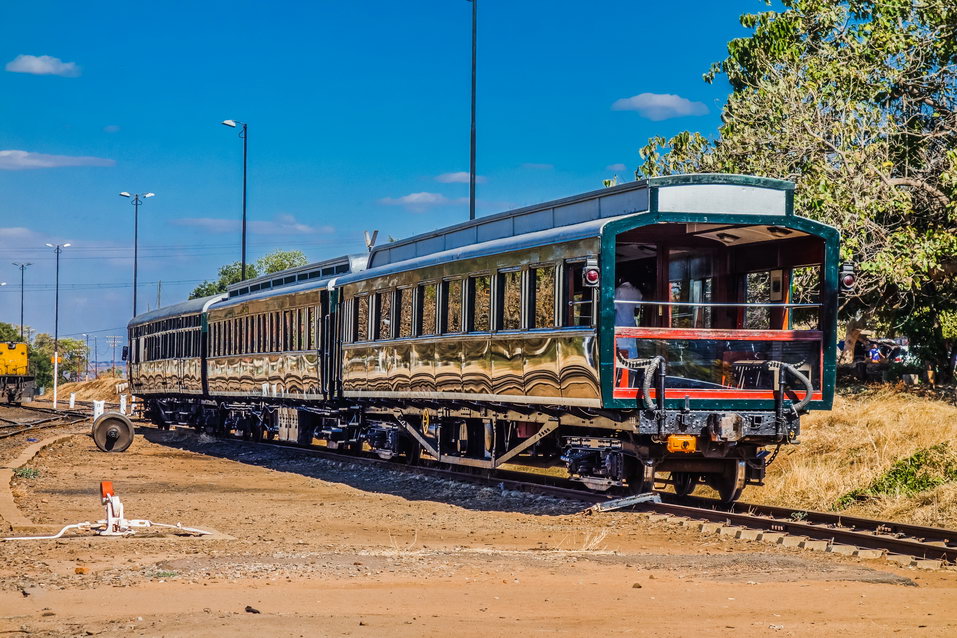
x=309, y=547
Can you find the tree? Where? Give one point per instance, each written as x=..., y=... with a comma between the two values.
x=855, y=101
x=267, y=264
x=9, y=333
x=281, y=260
x=73, y=353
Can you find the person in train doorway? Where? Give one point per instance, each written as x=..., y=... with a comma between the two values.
x=626, y=296
x=874, y=354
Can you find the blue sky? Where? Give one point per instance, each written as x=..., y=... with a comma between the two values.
x=358, y=119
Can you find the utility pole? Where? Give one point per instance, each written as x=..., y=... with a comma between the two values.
x=57, y=248
x=244, y=134
x=472, y=140
x=87, y=356
x=159, y=293
x=136, y=201
x=95, y=373
x=22, y=267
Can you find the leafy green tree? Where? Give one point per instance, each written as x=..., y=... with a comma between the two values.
x=73, y=353
x=281, y=260
x=855, y=101
x=230, y=273
x=9, y=333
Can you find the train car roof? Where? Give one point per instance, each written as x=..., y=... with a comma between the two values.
x=287, y=289
x=189, y=307
x=706, y=193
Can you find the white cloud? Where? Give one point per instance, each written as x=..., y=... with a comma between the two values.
x=538, y=167
x=461, y=177
x=420, y=202
x=283, y=224
x=660, y=106
x=43, y=65
x=111, y=128
x=616, y=167
x=18, y=233
x=24, y=160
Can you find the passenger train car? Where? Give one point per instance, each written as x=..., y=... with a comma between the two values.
x=677, y=324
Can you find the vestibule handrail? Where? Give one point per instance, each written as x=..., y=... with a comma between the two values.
x=720, y=305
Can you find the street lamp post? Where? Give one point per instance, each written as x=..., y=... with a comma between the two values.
x=136, y=233
x=22, y=267
x=243, y=134
x=86, y=368
x=56, y=322
x=472, y=140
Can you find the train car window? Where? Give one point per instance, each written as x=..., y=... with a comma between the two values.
x=805, y=288
x=317, y=327
x=361, y=325
x=480, y=304
x=509, y=300
x=403, y=309
x=452, y=306
x=303, y=317
x=426, y=303
x=542, y=287
x=383, y=316
x=577, y=300
x=690, y=277
x=757, y=290
x=287, y=331
x=309, y=327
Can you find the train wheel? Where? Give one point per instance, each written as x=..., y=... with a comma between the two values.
x=730, y=482
x=642, y=479
x=413, y=455
x=685, y=482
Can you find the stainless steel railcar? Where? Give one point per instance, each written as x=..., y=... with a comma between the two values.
x=515, y=337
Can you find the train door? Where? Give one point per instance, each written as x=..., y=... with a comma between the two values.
x=322, y=332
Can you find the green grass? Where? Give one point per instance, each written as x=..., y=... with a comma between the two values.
x=26, y=472
x=924, y=470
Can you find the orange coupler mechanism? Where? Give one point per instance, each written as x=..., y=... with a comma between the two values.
x=686, y=443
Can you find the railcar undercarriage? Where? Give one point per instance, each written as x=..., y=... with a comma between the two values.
x=724, y=450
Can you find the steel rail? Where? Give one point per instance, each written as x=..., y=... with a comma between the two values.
x=867, y=539
x=898, y=538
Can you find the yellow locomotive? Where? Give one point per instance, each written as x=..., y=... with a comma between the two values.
x=15, y=382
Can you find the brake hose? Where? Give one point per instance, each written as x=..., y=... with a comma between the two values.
x=649, y=374
x=648, y=366
x=797, y=374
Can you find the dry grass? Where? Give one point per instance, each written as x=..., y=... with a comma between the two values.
x=856, y=443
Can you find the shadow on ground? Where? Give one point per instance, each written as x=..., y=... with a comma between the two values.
x=375, y=479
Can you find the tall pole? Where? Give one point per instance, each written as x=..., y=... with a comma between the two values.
x=95, y=375
x=87, y=357
x=472, y=141
x=136, y=244
x=22, y=267
x=245, y=137
x=56, y=329
x=243, y=133
x=136, y=201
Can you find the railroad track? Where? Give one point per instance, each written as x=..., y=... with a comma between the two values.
x=837, y=533
x=9, y=427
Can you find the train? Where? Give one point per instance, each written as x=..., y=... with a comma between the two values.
x=16, y=384
x=674, y=326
